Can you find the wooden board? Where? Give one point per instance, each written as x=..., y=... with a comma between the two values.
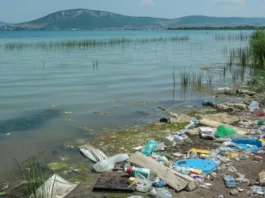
x=174, y=179
x=113, y=181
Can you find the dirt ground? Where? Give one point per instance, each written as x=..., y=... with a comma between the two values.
x=249, y=167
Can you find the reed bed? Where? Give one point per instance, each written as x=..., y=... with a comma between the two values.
x=240, y=56
x=189, y=79
x=233, y=37
x=84, y=44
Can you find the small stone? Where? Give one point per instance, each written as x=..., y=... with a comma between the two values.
x=262, y=178
x=234, y=192
x=77, y=170
x=248, y=100
x=4, y=186
x=169, y=141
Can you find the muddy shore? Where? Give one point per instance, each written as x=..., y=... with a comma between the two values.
x=123, y=141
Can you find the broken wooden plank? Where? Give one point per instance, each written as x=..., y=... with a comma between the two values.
x=174, y=179
x=113, y=181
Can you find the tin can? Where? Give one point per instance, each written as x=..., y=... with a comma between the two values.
x=257, y=158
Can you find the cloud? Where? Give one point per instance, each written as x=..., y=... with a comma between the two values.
x=230, y=1
x=262, y=6
x=146, y=2
x=231, y=5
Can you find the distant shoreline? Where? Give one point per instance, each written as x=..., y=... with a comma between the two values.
x=136, y=29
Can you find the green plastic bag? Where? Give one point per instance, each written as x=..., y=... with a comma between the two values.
x=224, y=131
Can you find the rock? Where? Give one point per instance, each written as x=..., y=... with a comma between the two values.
x=193, y=132
x=164, y=120
x=224, y=118
x=234, y=192
x=239, y=106
x=4, y=186
x=223, y=107
x=181, y=119
x=225, y=90
x=246, y=92
x=191, y=186
x=169, y=141
x=262, y=178
x=248, y=100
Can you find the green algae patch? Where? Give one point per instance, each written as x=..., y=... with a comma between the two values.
x=124, y=140
x=80, y=173
x=57, y=166
x=101, y=113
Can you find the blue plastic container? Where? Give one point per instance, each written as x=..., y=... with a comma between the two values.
x=149, y=147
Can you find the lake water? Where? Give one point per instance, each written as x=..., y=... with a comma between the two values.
x=127, y=81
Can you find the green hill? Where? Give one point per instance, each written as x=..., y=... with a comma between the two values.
x=93, y=19
x=2, y=23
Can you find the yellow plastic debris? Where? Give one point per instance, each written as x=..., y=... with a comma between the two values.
x=232, y=155
x=132, y=180
x=196, y=171
x=200, y=151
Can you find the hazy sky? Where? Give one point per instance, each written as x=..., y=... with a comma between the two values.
x=24, y=10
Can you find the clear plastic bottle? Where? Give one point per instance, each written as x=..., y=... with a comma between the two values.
x=192, y=124
x=149, y=147
x=183, y=170
x=109, y=163
x=253, y=106
x=163, y=193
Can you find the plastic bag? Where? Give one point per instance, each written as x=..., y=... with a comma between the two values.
x=161, y=193
x=224, y=131
x=144, y=184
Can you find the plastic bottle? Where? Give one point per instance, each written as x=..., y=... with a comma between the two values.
x=149, y=147
x=192, y=124
x=259, y=122
x=161, y=193
x=109, y=163
x=253, y=106
x=132, y=170
x=183, y=170
x=214, y=153
x=178, y=138
x=144, y=184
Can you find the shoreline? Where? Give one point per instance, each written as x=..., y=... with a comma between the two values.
x=123, y=141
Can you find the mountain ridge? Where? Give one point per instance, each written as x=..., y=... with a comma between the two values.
x=2, y=23
x=96, y=19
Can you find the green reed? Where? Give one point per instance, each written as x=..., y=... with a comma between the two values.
x=188, y=79
x=233, y=37
x=34, y=172
x=90, y=43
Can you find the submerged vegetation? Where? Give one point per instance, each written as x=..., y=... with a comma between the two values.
x=83, y=44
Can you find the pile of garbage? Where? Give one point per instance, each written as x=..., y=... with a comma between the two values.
x=150, y=172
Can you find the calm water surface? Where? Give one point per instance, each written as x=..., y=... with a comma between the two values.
x=128, y=82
